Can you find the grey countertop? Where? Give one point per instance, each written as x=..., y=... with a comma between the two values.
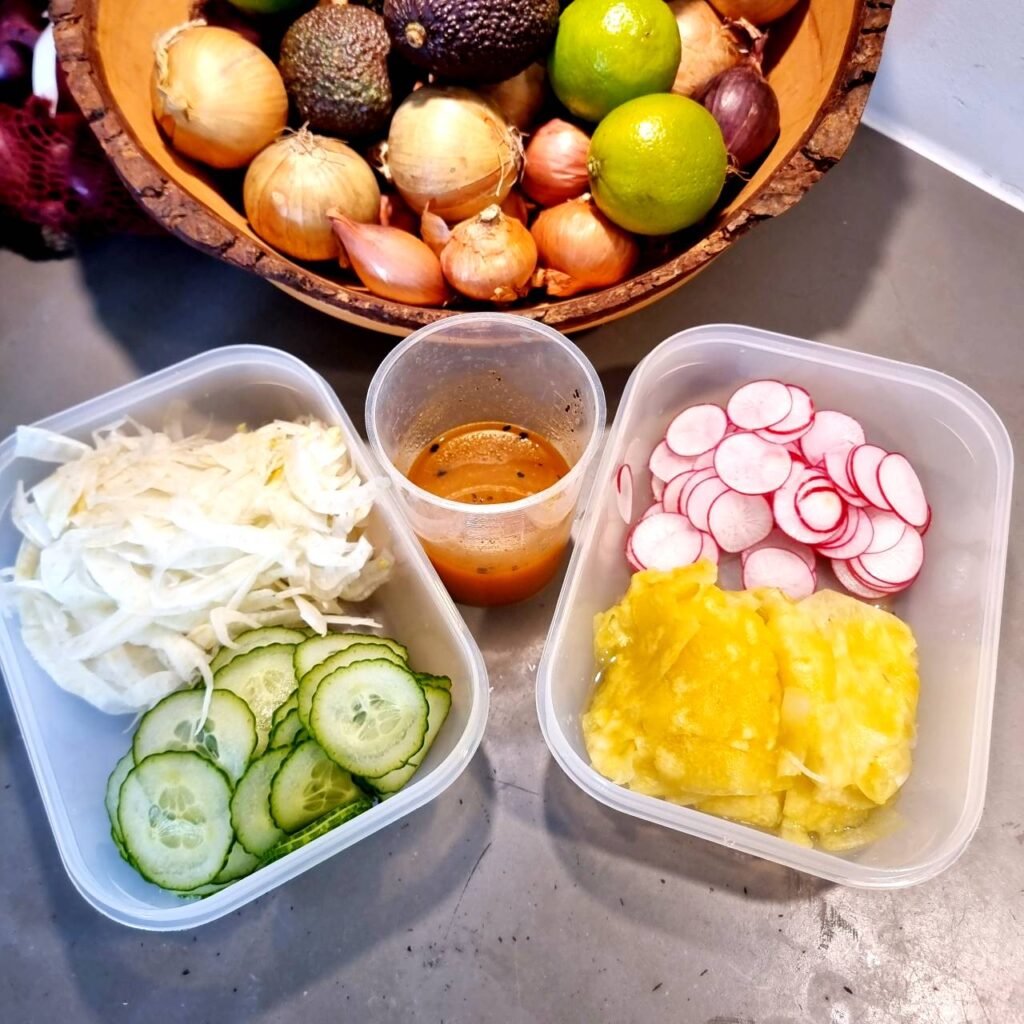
x=514, y=897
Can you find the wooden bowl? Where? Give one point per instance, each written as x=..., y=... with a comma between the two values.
x=827, y=54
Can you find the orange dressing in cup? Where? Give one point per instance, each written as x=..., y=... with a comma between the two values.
x=490, y=463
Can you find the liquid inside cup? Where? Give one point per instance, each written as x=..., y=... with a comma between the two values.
x=481, y=368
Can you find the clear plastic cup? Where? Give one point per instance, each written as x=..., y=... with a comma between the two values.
x=486, y=367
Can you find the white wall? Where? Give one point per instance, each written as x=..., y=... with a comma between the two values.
x=951, y=87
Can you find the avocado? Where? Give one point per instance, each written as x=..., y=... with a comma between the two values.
x=334, y=62
x=472, y=40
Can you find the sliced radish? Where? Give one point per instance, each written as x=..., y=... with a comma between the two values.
x=665, y=541
x=887, y=530
x=858, y=570
x=835, y=466
x=777, y=567
x=864, y=461
x=901, y=488
x=665, y=464
x=848, y=581
x=624, y=493
x=737, y=521
x=777, y=539
x=830, y=430
x=652, y=510
x=697, y=429
x=630, y=557
x=696, y=478
x=899, y=564
x=705, y=460
x=801, y=414
x=751, y=465
x=856, y=539
x=927, y=523
x=709, y=550
x=673, y=489
x=700, y=499
x=787, y=519
x=657, y=488
x=820, y=508
x=760, y=404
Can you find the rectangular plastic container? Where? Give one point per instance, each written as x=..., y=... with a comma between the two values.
x=962, y=452
x=73, y=747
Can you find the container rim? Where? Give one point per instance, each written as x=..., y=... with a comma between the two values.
x=817, y=862
x=577, y=473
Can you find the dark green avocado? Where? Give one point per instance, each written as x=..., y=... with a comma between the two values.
x=472, y=40
x=334, y=62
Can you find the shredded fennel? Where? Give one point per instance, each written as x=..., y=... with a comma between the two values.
x=144, y=553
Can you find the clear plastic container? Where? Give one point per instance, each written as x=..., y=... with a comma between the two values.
x=485, y=367
x=961, y=451
x=73, y=747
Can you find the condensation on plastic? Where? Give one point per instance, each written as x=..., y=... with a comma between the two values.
x=963, y=454
x=72, y=747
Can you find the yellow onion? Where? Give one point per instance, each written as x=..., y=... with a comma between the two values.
x=490, y=257
x=758, y=12
x=556, y=163
x=451, y=148
x=390, y=262
x=217, y=97
x=579, y=248
x=292, y=184
x=708, y=46
x=519, y=98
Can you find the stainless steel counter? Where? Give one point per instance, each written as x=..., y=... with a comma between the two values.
x=515, y=897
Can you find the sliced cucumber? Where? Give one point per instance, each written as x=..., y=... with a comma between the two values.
x=113, y=793
x=228, y=736
x=174, y=816
x=287, y=732
x=239, y=864
x=319, y=648
x=370, y=717
x=119, y=843
x=264, y=679
x=348, y=656
x=426, y=679
x=250, y=805
x=319, y=828
x=201, y=891
x=308, y=785
x=282, y=712
x=254, y=638
x=439, y=703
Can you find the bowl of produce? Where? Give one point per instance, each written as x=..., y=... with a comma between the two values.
x=228, y=656
x=788, y=587
x=392, y=162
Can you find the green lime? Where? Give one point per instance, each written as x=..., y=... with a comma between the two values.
x=610, y=51
x=657, y=164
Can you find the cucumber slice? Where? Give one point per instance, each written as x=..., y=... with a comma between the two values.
x=239, y=864
x=319, y=828
x=119, y=843
x=256, y=638
x=426, y=679
x=264, y=679
x=201, y=891
x=354, y=652
x=250, y=805
x=113, y=793
x=287, y=732
x=228, y=736
x=370, y=717
x=439, y=703
x=174, y=816
x=282, y=712
x=308, y=785
x=319, y=648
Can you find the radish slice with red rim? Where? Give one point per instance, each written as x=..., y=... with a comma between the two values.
x=899, y=564
x=751, y=465
x=856, y=541
x=787, y=520
x=777, y=539
x=700, y=499
x=863, y=467
x=830, y=430
x=705, y=460
x=665, y=464
x=777, y=567
x=927, y=523
x=902, y=489
x=665, y=541
x=652, y=510
x=670, y=498
x=709, y=550
x=624, y=493
x=760, y=404
x=848, y=581
x=657, y=488
x=835, y=466
x=630, y=557
x=696, y=478
x=887, y=530
x=801, y=414
x=868, y=580
x=737, y=521
x=697, y=429
x=820, y=508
